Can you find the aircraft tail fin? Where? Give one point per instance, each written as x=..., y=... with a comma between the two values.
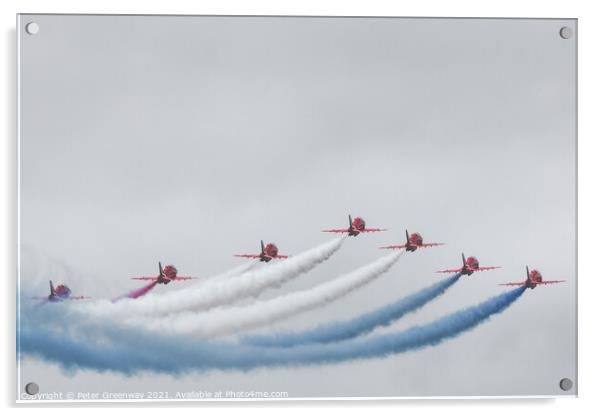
x=161, y=270
x=463, y=260
x=262, y=248
x=350, y=222
x=527, y=267
x=51, y=288
x=407, y=237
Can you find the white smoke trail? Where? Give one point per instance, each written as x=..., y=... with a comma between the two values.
x=227, y=321
x=215, y=292
x=243, y=268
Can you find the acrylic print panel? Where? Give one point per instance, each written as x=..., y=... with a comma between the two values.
x=170, y=164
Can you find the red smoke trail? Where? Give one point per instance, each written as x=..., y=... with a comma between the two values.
x=136, y=293
x=142, y=291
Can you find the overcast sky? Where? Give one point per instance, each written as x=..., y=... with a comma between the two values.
x=188, y=139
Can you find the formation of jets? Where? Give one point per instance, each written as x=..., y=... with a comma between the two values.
x=357, y=226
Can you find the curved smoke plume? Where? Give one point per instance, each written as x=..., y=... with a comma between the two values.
x=105, y=346
x=362, y=324
x=227, y=321
x=215, y=292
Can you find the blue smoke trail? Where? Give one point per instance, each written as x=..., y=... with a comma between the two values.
x=362, y=324
x=108, y=347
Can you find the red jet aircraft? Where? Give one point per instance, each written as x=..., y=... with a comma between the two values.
x=60, y=293
x=413, y=242
x=533, y=279
x=357, y=226
x=268, y=252
x=469, y=266
x=166, y=275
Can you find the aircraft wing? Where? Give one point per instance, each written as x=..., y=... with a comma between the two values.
x=394, y=247
x=78, y=297
x=430, y=244
x=184, y=278
x=549, y=282
x=482, y=269
x=248, y=256
x=144, y=278
x=371, y=230
x=513, y=284
x=346, y=230
x=280, y=257
x=449, y=271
